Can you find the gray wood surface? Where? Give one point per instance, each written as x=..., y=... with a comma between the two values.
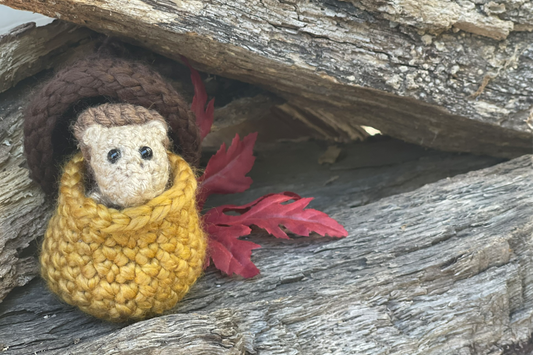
x=433, y=264
x=23, y=211
x=27, y=50
x=452, y=75
x=442, y=268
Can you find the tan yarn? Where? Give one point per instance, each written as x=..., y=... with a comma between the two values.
x=131, y=180
x=128, y=264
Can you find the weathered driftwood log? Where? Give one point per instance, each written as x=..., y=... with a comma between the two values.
x=27, y=50
x=444, y=74
x=444, y=269
x=23, y=212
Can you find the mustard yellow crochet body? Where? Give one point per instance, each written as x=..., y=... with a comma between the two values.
x=128, y=264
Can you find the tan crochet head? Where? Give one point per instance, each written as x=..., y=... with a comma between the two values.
x=125, y=147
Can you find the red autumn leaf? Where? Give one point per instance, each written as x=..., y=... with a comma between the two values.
x=225, y=174
x=226, y=170
x=269, y=212
x=245, y=208
x=230, y=254
x=204, y=116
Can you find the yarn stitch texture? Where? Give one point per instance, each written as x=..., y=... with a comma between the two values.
x=113, y=78
x=127, y=264
x=114, y=115
x=130, y=181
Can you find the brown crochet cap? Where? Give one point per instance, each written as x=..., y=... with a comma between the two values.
x=113, y=78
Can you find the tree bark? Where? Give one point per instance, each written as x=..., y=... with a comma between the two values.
x=449, y=75
x=27, y=50
x=436, y=269
x=444, y=269
x=23, y=211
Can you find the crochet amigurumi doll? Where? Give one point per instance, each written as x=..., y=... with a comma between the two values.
x=125, y=242
x=137, y=261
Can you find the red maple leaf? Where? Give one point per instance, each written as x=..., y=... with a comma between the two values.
x=226, y=171
x=225, y=174
x=232, y=255
x=204, y=115
x=269, y=212
x=229, y=253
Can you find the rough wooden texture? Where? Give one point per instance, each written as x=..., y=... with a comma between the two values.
x=364, y=172
x=27, y=50
x=23, y=212
x=276, y=119
x=453, y=75
x=494, y=19
x=443, y=269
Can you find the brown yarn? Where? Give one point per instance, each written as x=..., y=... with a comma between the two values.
x=114, y=78
x=111, y=115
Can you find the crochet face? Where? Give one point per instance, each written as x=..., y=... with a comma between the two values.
x=130, y=163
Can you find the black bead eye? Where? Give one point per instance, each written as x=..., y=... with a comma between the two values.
x=146, y=153
x=113, y=156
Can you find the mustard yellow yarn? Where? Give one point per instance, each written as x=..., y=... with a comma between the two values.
x=128, y=264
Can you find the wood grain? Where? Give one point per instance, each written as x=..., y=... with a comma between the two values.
x=379, y=64
x=27, y=50
x=23, y=211
x=439, y=269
